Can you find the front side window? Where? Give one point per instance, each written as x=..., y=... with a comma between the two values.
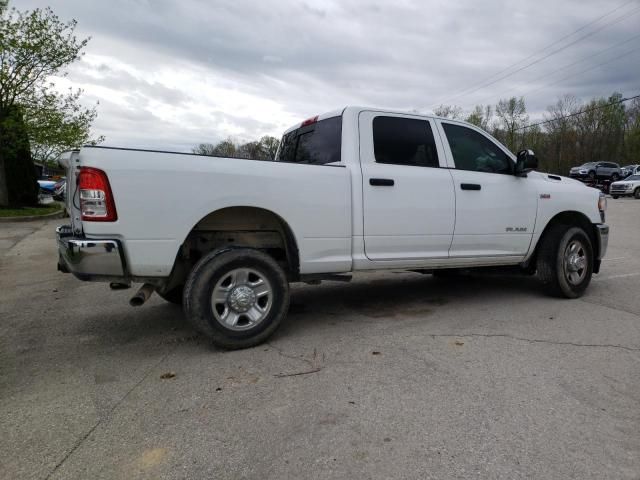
x=404, y=141
x=318, y=143
x=473, y=151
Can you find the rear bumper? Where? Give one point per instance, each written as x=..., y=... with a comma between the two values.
x=89, y=259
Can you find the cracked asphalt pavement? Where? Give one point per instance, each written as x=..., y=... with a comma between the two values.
x=396, y=375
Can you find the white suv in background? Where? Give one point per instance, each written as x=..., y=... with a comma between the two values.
x=627, y=187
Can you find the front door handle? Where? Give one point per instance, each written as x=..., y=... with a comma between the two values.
x=381, y=182
x=470, y=186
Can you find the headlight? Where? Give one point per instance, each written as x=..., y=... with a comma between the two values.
x=602, y=205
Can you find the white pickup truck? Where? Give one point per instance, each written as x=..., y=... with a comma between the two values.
x=351, y=190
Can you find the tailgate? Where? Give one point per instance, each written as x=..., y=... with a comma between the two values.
x=70, y=161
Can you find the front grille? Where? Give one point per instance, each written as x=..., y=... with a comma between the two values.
x=618, y=188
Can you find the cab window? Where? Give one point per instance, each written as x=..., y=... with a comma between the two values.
x=404, y=141
x=318, y=143
x=473, y=151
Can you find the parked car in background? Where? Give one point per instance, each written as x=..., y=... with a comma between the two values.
x=60, y=189
x=627, y=187
x=597, y=170
x=630, y=170
x=47, y=186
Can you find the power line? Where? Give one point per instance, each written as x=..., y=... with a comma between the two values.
x=622, y=100
x=484, y=83
x=565, y=67
x=554, y=42
x=619, y=19
x=582, y=71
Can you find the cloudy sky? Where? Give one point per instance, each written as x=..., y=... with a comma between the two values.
x=171, y=74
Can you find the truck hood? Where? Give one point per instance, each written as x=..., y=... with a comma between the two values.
x=549, y=177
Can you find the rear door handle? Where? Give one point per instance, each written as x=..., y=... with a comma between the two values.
x=381, y=182
x=470, y=186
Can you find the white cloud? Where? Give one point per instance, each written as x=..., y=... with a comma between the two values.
x=173, y=74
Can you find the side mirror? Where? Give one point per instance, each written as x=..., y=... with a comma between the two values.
x=525, y=162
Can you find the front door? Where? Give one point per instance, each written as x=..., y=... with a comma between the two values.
x=495, y=210
x=408, y=199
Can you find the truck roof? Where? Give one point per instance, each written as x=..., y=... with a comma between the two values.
x=354, y=109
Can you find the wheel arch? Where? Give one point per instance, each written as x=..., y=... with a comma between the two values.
x=237, y=227
x=569, y=218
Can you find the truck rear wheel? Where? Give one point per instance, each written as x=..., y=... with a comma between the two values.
x=237, y=298
x=565, y=261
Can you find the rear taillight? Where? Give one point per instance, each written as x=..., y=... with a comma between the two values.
x=96, y=199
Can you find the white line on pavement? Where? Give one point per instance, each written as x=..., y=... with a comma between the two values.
x=623, y=275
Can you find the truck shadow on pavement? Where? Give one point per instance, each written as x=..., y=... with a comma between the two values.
x=378, y=299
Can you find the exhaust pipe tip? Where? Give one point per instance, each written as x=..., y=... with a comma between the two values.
x=142, y=295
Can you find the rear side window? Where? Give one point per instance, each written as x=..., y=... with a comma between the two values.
x=473, y=151
x=315, y=144
x=404, y=141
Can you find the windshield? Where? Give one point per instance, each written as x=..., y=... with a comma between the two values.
x=633, y=177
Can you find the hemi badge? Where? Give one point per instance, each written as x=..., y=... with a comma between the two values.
x=545, y=195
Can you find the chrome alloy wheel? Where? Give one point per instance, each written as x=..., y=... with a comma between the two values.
x=575, y=262
x=241, y=299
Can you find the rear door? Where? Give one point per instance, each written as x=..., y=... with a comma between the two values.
x=408, y=199
x=495, y=210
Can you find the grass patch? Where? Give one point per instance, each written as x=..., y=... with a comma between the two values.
x=30, y=211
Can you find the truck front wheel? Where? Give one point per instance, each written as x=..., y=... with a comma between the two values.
x=565, y=261
x=237, y=297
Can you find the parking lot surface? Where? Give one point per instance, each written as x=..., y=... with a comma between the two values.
x=396, y=375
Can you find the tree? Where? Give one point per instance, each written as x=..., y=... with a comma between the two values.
x=600, y=129
x=481, y=116
x=264, y=149
x=632, y=133
x=512, y=117
x=560, y=148
x=14, y=145
x=34, y=46
x=269, y=146
x=448, y=111
x=225, y=148
x=57, y=123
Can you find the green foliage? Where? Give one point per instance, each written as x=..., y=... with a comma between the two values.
x=632, y=134
x=512, y=116
x=30, y=211
x=22, y=187
x=264, y=149
x=573, y=132
x=58, y=123
x=481, y=116
x=34, y=46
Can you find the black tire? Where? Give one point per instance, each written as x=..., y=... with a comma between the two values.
x=208, y=274
x=614, y=196
x=174, y=295
x=636, y=193
x=615, y=177
x=592, y=175
x=553, y=267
